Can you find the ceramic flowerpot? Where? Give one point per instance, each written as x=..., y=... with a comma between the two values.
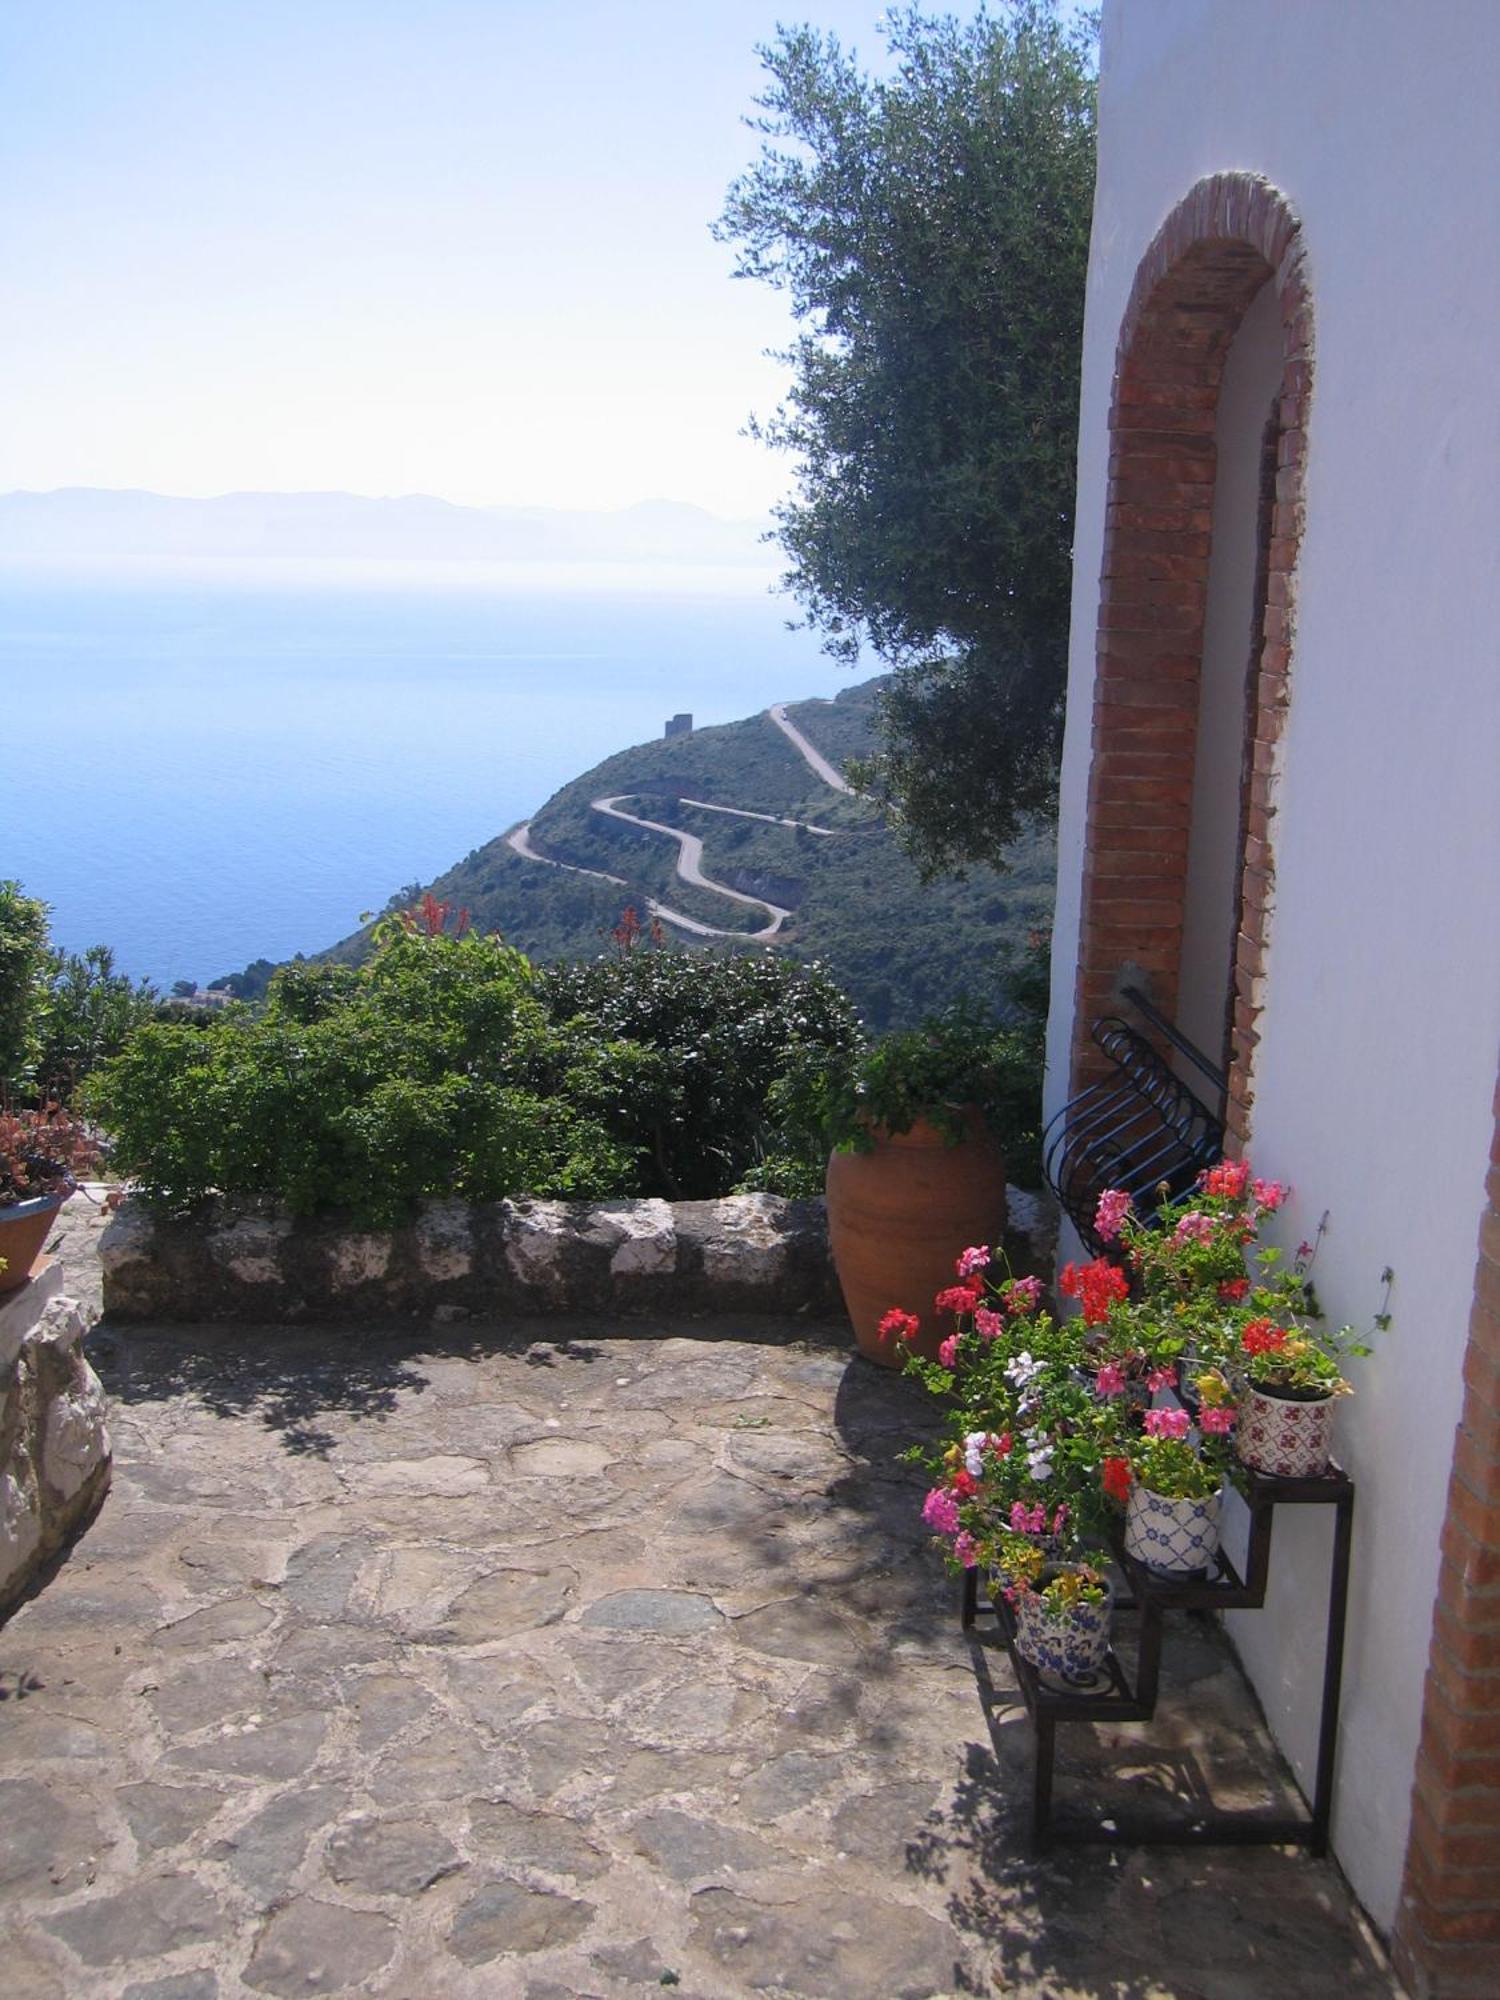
x=1176, y=1538
x=899, y=1217
x=1286, y=1436
x=24, y=1229
x=1068, y=1645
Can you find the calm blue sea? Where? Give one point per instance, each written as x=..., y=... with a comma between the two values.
x=208, y=765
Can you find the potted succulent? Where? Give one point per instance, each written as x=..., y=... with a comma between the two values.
x=41, y=1154
x=916, y=1167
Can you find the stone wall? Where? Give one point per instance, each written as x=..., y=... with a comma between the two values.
x=54, y=1448
x=455, y=1262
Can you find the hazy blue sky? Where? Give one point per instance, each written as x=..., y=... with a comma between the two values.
x=446, y=246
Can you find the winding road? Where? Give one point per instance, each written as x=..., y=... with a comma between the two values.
x=690, y=846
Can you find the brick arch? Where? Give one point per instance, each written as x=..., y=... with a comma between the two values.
x=1220, y=245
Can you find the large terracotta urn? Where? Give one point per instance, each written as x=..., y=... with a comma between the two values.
x=898, y=1218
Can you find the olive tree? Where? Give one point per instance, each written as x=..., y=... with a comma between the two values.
x=930, y=226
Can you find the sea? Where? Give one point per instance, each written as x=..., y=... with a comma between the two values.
x=210, y=763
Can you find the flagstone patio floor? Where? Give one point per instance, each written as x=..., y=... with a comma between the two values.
x=566, y=1663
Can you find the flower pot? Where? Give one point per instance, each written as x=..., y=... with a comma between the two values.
x=1173, y=1537
x=1288, y=1436
x=898, y=1218
x=1068, y=1645
x=24, y=1229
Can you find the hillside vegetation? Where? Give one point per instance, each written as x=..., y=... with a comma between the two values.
x=900, y=947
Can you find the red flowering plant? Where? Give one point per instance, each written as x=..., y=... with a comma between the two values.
x=42, y=1153
x=1163, y=1450
x=1209, y=1289
x=1016, y=1477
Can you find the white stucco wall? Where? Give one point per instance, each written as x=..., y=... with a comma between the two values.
x=1375, y=1077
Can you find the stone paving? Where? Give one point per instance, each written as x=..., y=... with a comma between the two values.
x=572, y=1665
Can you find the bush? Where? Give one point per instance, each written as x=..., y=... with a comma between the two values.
x=23, y=954
x=60, y=1014
x=430, y=1070
x=445, y=1065
x=721, y=1031
x=85, y=1012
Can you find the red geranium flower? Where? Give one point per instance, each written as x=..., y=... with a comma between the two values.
x=1115, y=1476
x=1096, y=1286
x=958, y=1299
x=899, y=1325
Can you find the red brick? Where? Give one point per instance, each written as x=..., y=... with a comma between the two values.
x=1476, y=1557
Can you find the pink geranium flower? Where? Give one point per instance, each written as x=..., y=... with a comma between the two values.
x=975, y=1259
x=1167, y=1423
x=1110, y=1381
x=988, y=1325
x=948, y=1351
x=940, y=1511
x=1114, y=1206
x=1215, y=1422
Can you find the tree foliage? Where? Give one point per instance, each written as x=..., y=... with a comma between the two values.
x=931, y=230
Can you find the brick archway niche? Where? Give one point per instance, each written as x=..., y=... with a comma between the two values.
x=1232, y=235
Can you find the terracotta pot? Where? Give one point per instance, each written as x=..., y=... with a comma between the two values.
x=898, y=1218
x=24, y=1229
x=1290, y=1437
x=1175, y=1538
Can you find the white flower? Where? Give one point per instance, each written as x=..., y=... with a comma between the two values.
x=1022, y=1369
x=1039, y=1462
x=974, y=1445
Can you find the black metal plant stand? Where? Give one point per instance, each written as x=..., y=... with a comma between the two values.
x=1119, y=1699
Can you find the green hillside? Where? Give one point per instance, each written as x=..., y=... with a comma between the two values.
x=901, y=948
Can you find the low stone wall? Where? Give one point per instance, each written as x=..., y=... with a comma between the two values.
x=454, y=1262
x=54, y=1448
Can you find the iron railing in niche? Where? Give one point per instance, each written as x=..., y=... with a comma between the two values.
x=1139, y=1127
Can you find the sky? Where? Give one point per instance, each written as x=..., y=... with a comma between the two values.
x=456, y=247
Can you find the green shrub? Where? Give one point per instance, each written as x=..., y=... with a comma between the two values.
x=23, y=954
x=719, y=1031
x=60, y=1013
x=432, y=1069
x=445, y=1065
x=85, y=1012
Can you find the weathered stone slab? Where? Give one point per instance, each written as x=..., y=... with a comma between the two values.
x=314, y=1947
x=504, y=1917
x=54, y=1443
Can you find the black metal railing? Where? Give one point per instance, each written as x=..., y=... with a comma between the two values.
x=1139, y=1127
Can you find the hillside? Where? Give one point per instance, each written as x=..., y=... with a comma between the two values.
x=846, y=893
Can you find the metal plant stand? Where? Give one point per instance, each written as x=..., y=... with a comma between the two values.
x=1118, y=1698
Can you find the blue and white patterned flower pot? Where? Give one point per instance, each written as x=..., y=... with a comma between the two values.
x=1069, y=1645
x=1172, y=1537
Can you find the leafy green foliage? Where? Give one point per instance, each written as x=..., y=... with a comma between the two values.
x=431, y=1069
x=23, y=955
x=444, y=1065
x=60, y=1013
x=931, y=230
x=86, y=1012
x=722, y=1031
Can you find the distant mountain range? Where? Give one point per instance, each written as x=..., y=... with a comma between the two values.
x=83, y=521
x=777, y=859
